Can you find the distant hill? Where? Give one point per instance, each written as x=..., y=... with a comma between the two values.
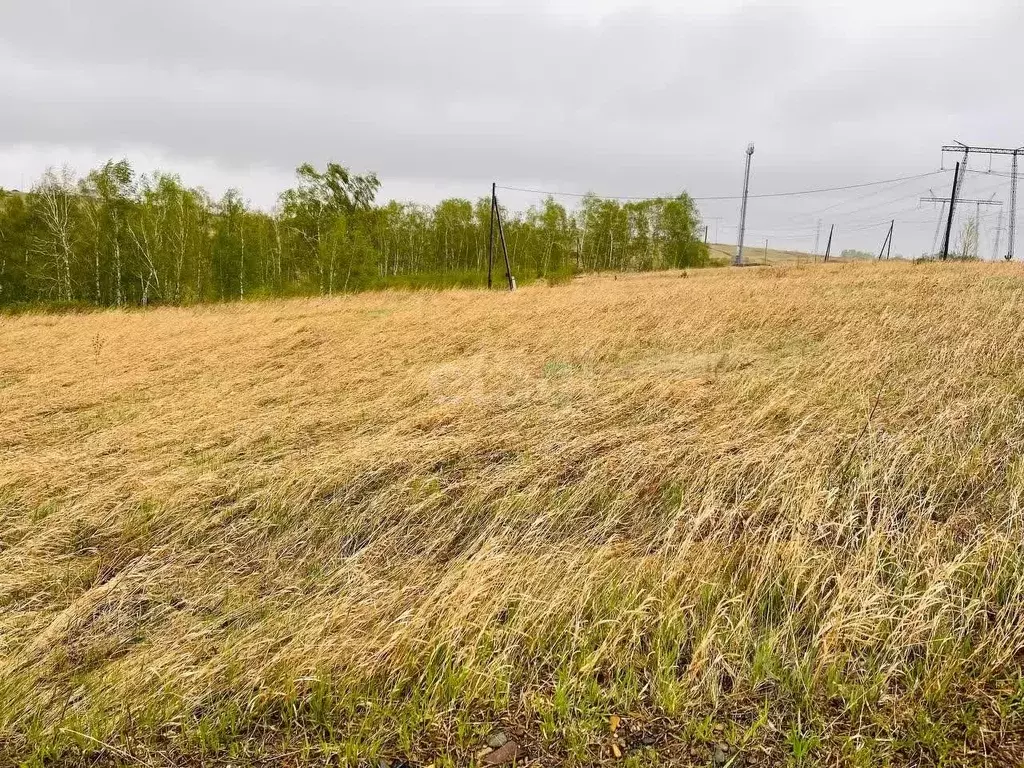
x=756, y=255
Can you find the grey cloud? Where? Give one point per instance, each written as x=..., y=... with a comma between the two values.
x=437, y=89
x=637, y=102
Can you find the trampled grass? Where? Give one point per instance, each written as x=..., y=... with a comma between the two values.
x=777, y=508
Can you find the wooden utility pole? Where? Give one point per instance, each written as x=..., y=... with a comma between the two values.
x=766, y=251
x=828, y=248
x=949, y=221
x=504, y=247
x=887, y=241
x=490, y=237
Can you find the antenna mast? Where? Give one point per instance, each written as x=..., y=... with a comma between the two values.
x=743, y=208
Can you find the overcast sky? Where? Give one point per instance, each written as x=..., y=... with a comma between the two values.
x=619, y=97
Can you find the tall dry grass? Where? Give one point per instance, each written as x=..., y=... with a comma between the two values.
x=779, y=508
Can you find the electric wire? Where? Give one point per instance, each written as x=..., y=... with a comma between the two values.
x=872, y=206
x=795, y=193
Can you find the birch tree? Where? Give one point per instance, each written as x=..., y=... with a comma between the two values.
x=54, y=202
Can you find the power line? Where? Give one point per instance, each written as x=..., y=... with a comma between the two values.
x=817, y=213
x=1005, y=175
x=873, y=224
x=851, y=221
x=795, y=193
x=848, y=226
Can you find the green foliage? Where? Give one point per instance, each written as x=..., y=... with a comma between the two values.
x=853, y=253
x=115, y=238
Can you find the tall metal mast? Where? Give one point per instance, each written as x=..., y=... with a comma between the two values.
x=1013, y=153
x=743, y=208
x=1013, y=204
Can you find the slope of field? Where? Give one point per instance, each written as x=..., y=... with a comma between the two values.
x=775, y=257
x=755, y=254
x=762, y=515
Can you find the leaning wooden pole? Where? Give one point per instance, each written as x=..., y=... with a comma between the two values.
x=885, y=242
x=952, y=206
x=504, y=247
x=490, y=235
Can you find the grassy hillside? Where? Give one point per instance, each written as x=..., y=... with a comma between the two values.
x=755, y=254
x=766, y=516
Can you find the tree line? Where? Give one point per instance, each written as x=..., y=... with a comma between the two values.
x=118, y=238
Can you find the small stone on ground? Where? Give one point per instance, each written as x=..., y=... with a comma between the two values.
x=497, y=740
x=506, y=754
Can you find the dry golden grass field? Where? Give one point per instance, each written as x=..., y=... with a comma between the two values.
x=741, y=517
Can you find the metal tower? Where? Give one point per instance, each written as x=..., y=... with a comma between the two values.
x=743, y=208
